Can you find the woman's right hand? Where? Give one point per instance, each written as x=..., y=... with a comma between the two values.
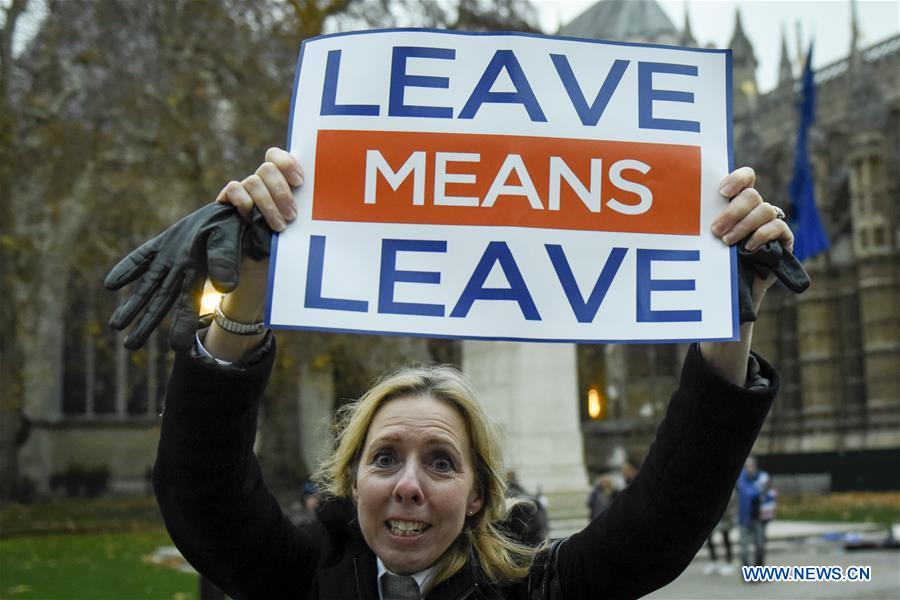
x=269, y=189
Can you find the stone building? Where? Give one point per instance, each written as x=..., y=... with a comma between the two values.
x=836, y=422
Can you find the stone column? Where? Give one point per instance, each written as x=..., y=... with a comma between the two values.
x=875, y=226
x=43, y=378
x=531, y=390
x=820, y=361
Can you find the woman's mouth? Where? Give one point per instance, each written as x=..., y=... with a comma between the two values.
x=406, y=528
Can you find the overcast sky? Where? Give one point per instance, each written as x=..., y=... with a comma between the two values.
x=712, y=21
x=827, y=21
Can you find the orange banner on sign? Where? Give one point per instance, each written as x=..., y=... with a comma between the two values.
x=502, y=180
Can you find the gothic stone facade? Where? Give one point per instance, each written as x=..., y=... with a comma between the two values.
x=836, y=423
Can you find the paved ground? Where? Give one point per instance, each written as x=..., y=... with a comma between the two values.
x=788, y=548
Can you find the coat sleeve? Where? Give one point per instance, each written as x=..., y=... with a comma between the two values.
x=208, y=483
x=653, y=529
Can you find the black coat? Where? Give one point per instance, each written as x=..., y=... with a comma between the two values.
x=226, y=522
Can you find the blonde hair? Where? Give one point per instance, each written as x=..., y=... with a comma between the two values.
x=498, y=556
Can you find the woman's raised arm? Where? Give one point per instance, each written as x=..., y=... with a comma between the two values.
x=747, y=214
x=269, y=189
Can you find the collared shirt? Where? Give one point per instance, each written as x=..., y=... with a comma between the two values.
x=422, y=578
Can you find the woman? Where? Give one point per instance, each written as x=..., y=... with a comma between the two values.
x=414, y=477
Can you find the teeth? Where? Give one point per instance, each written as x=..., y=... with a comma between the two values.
x=407, y=528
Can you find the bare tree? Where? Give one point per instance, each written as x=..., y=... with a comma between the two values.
x=118, y=118
x=10, y=355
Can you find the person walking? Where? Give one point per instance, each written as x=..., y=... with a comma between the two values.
x=527, y=520
x=751, y=487
x=599, y=498
x=723, y=530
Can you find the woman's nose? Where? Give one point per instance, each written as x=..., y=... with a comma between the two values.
x=409, y=486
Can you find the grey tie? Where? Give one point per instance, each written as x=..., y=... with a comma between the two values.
x=399, y=587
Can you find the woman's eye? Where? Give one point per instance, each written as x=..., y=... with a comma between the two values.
x=383, y=460
x=443, y=464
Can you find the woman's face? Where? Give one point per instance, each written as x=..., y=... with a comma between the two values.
x=415, y=483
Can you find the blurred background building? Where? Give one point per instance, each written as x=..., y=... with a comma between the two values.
x=836, y=423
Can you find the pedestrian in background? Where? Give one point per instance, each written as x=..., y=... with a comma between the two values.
x=304, y=510
x=723, y=529
x=630, y=470
x=601, y=495
x=751, y=487
x=623, y=478
x=527, y=520
x=768, y=504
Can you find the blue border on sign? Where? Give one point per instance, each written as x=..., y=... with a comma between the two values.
x=729, y=89
x=486, y=338
x=735, y=330
x=270, y=285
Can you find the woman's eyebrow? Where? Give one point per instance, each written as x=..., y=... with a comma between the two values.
x=434, y=440
x=443, y=443
x=386, y=438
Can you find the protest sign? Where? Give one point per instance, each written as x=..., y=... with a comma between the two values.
x=507, y=186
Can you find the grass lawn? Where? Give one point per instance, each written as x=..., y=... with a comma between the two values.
x=79, y=515
x=87, y=549
x=855, y=507
x=94, y=566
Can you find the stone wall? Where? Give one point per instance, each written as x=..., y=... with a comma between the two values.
x=126, y=448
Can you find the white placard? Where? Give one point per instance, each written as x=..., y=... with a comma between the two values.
x=507, y=187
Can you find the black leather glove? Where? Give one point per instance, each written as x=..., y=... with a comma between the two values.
x=770, y=257
x=173, y=267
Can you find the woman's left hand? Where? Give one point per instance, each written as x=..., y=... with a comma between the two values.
x=749, y=215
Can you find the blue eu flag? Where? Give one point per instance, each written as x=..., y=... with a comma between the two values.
x=810, y=238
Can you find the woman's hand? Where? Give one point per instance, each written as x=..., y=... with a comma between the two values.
x=269, y=189
x=747, y=215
